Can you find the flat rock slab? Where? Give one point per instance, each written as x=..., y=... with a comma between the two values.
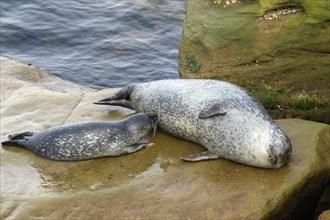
x=153, y=183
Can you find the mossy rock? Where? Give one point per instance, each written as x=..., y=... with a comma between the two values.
x=281, y=43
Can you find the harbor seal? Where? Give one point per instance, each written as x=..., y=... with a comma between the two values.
x=87, y=140
x=224, y=118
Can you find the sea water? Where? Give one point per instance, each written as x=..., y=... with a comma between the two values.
x=95, y=43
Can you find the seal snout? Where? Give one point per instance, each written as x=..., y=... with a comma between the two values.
x=280, y=151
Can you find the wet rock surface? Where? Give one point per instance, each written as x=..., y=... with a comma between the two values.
x=152, y=183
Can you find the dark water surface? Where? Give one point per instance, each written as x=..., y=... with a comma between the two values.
x=96, y=43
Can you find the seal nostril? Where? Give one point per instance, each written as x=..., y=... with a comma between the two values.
x=273, y=159
x=280, y=152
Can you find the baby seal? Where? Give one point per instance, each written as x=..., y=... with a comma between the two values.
x=220, y=116
x=87, y=140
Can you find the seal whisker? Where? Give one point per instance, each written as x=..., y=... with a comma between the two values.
x=155, y=128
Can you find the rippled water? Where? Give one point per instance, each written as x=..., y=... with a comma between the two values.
x=100, y=43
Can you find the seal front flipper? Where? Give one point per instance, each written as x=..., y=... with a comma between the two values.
x=206, y=155
x=136, y=147
x=211, y=111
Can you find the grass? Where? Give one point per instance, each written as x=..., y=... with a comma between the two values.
x=282, y=102
x=274, y=97
x=306, y=102
x=270, y=96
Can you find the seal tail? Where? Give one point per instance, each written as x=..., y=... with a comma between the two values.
x=120, y=98
x=19, y=139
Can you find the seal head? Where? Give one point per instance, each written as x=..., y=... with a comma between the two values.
x=280, y=150
x=242, y=131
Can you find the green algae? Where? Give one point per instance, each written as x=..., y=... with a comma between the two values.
x=192, y=63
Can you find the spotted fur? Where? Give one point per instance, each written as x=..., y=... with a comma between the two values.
x=87, y=140
x=220, y=116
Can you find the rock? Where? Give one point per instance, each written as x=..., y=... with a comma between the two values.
x=153, y=183
x=323, y=207
x=324, y=215
x=283, y=45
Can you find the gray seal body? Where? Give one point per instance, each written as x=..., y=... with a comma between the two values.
x=220, y=116
x=87, y=140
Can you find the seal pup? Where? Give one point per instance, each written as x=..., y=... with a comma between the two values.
x=224, y=118
x=87, y=140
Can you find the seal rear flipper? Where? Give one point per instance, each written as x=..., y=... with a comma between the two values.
x=211, y=111
x=21, y=136
x=119, y=102
x=18, y=139
x=206, y=155
x=19, y=143
x=120, y=98
x=136, y=147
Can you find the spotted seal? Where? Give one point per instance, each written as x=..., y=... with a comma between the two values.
x=220, y=116
x=87, y=140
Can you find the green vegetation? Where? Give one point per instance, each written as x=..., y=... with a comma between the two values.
x=193, y=65
x=306, y=102
x=287, y=102
x=276, y=49
x=270, y=96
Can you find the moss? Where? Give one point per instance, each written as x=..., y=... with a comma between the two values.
x=317, y=11
x=192, y=63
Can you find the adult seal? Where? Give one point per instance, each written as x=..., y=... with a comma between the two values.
x=87, y=140
x=220, y=116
